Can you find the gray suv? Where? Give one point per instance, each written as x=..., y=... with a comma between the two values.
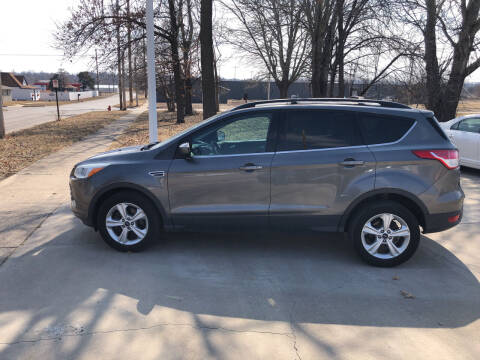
x=379, y=170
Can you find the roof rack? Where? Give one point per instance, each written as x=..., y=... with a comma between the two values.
x=292, y=101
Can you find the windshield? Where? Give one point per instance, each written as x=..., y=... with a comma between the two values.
x=180, y=134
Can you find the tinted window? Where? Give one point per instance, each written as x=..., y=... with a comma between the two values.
x=378, y=129
x=470, y=125
x=314, y=129
x=244, y=135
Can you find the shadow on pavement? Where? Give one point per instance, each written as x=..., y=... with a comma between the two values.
x=292, y=278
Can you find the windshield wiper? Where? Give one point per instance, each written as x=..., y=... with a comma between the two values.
x=146, y=147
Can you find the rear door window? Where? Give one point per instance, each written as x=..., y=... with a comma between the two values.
x=470, y=125
x=318, y=129
x=378, y=129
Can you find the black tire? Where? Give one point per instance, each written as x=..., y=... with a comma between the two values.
x=153, y=220
x=370, y=210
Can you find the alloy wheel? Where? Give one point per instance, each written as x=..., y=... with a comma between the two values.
x=127, y=223
x=385, y=236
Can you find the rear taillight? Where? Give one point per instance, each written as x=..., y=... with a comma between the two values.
x=449, y=158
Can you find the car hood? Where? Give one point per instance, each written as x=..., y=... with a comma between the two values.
x=117, y=152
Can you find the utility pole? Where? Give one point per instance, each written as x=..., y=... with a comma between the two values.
x=152, y=86
x=96, y=62
x=2, y=121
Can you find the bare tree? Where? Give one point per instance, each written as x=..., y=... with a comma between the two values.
x=270, y=31
x=449, y=29
x=92, y=24
x=320, y=25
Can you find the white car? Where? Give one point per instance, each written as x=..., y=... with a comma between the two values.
x=464, y=132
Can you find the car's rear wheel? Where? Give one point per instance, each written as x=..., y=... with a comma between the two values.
x=128, y=221
x=385, y=233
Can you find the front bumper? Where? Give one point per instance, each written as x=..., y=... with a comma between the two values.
x=78, y=200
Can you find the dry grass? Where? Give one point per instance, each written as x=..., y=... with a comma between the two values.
x=465, y=107
x=137, y=133
x=28, y=103
x=468, y=107
x=141, y=101
x=21, y=148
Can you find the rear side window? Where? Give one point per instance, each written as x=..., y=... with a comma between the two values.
x=469, y=125
x=314, y=129
x=379, y=129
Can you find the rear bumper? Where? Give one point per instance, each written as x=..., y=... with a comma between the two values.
x=443, y=221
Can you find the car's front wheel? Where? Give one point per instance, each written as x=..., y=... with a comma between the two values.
x=385, y=233
x=128, y=221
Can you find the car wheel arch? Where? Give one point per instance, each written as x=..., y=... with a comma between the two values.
x=108, y=191
x=409, y=200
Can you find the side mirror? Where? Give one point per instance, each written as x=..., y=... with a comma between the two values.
x=220, y=136
x=184, y=150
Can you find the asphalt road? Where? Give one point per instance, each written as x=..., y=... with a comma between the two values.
x=20, y=117
x=64, y=294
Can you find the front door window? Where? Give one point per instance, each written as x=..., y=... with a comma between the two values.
x=245, y=135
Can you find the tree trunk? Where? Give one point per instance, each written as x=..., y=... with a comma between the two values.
x=217, y=88
x=124, y=89
x=177, y=72
x=340, y=57
x=129, y=39
x=145, y=80
x=325, y=60
x=317, y=46
x=333, y=75
x=207, y=59
x=2, y=121
x=283, y=86
x=135, y=78
x=119, y=59
x=433, y=81
x=188, y=96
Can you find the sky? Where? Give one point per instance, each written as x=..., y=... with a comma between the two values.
x=26, y=41
x=27, y=28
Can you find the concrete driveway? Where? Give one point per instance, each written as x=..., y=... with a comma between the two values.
x=20, y=117
x=65, y=295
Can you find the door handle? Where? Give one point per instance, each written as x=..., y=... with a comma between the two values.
x=352, y=162
x=250, y=167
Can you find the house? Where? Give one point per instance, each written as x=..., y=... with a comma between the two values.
x=6, y=94
x=19, y=87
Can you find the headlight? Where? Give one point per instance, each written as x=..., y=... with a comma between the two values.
x=85, y=171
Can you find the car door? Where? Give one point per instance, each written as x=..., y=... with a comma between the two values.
x=226, y=182
x=466, y=136
x=320, y=166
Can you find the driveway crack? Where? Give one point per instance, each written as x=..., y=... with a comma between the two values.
x=293, y=333
x=142, y=328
